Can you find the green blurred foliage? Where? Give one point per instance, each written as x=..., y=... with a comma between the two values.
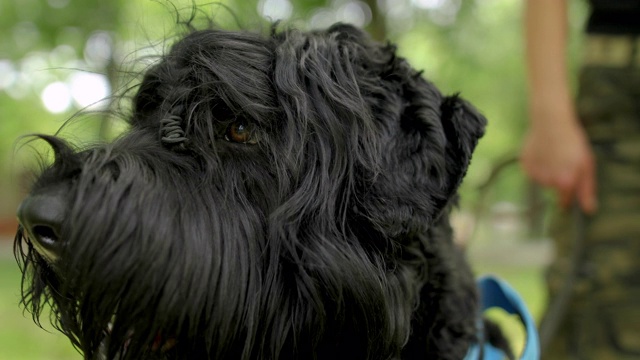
x=30, y=25
x=469, y=46
x=38, y=37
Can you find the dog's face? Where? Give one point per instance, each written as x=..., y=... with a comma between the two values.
x=273, y=199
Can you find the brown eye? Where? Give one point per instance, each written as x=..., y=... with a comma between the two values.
x=240, y=132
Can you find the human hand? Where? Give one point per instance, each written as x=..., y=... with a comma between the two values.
x=559, y=156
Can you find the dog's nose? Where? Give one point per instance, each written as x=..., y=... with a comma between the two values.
x=41, y=216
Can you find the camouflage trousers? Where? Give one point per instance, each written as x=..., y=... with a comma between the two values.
x=603, y=318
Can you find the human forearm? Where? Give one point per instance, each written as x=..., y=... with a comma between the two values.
x=550, y=99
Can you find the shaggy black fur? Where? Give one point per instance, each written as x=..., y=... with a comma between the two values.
x=277, y=197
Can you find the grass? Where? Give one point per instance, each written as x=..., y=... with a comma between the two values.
x=21, y=339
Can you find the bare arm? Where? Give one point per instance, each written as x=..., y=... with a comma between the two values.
x=556, y=152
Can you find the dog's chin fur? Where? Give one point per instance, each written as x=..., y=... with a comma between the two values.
x=324, y=237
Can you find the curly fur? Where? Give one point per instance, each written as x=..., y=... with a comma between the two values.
x=327, y=238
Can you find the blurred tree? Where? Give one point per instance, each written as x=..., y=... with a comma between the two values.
x=31, y=25
x=42, y=40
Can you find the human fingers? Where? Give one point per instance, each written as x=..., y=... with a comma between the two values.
x=565, y=186
x=586, y=190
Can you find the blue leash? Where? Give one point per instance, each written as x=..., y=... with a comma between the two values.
x=497, y=293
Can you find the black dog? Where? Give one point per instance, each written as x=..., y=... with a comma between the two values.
x=277, y=197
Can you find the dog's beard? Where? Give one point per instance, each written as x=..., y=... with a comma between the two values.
x=150, y=273
x=91, y=317
x=110, y=287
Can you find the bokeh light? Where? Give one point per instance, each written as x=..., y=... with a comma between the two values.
x=89, y=90
x=275, y=9
x=56, y=97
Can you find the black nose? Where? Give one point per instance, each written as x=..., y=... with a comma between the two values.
x=41, y=216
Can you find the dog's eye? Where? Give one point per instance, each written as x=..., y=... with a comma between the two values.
x=240, y=132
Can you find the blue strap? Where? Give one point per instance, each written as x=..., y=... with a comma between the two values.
x=497, y=293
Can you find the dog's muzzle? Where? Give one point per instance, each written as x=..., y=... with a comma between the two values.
x=41, y=216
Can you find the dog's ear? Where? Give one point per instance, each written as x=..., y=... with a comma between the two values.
x=463, y=126
x=427, y=157
x=413, y=144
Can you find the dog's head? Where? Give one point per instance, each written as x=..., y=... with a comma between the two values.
x=266, y=203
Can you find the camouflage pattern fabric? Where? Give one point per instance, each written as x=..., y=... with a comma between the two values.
x=603, y=318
